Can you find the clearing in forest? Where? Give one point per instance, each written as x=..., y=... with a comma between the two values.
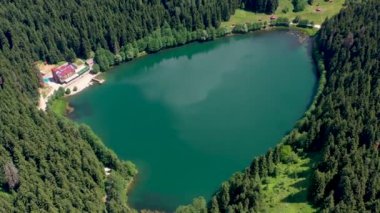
x=317, y=13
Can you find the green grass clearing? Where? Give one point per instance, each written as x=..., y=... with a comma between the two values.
x=287, y=192
x=79, y=62
x=328, y=9
x=61, y=63
x=59, y=106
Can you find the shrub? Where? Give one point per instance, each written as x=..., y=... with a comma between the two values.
x=240, y=28
x=303, y=23
x=95, y=69
x=296, y=19
x=254, y=26
x=68, y=91
x=281, y=21
x=288, y=155
x=285, y=10
x=299, y=5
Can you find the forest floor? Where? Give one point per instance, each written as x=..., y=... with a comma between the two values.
x=287, y=192
x=327, y=10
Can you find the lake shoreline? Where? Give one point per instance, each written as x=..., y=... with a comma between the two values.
x=299, y=32
x=302, y=38
x=290, y=41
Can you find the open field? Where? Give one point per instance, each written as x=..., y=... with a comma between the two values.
x=287, y=192
x=328, y=9
x=78, y=62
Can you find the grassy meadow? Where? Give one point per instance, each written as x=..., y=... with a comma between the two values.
x=287, y=192
x=327, y=9
x=59, y=106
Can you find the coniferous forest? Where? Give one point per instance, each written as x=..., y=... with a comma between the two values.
x=342, y=127
x=345, y=127
x=50, y=164
x=267, y=6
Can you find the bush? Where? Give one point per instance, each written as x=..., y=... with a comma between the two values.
x=198, y=205
x=118, y=59
x=281, y=21
x=288, y=155
x=285, y=10
x=299, y=5
x=75, y=89
x=104, y=58
x=95, y=69
x=68, y=91
x=57, y=94
x=240, y=28
x=296, y=19
x=254, y=26
x=117, y=195
x=304, y=23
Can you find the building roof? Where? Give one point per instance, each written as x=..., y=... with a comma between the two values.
x=67, y=80
x=273, y=17
x=64, y=70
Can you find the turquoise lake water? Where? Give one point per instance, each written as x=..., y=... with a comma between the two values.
x=190, y=117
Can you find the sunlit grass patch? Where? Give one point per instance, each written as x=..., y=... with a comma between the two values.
x=326, y=10
x=287, y=192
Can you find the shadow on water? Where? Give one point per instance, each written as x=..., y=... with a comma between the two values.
x=193, y=49
x=188, y=51
x=154, y=201
x=80, y=110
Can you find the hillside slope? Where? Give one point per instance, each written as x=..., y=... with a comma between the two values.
x=341, y=128
x=47, y=163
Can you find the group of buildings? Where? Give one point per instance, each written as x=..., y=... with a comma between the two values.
x=68, y=71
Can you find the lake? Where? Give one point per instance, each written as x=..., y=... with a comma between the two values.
x=190, y=117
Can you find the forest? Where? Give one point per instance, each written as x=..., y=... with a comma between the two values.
x=260, y=6
x=54, y=32
x=51, y=164
x=342, y=126
x=48, y=163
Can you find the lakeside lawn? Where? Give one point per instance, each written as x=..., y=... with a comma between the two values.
x=59, y=106
x=328, y=9
x=287, y=192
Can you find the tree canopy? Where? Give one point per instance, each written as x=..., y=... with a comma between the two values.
x=49, y=164
x=342, y=125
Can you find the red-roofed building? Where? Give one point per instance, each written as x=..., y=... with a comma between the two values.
x=64, y=73
x=273, y=17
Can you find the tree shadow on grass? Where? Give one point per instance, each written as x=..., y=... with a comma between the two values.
x=301, y=195
x=299, y=174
